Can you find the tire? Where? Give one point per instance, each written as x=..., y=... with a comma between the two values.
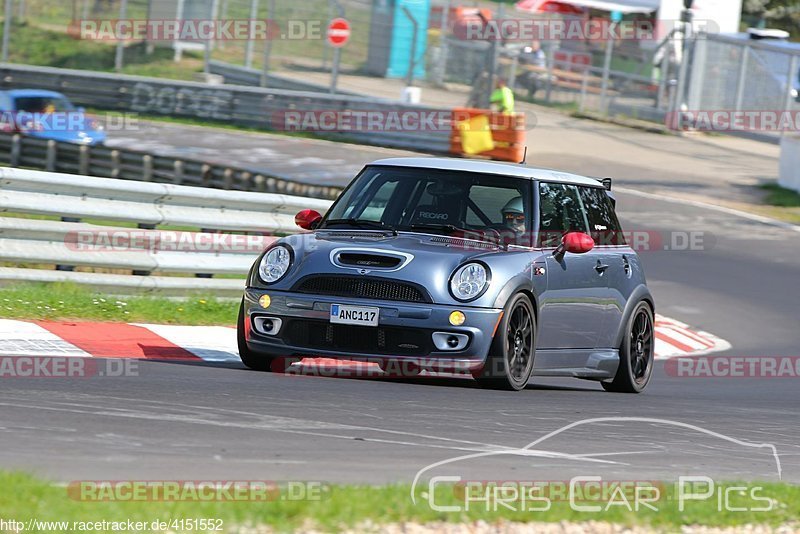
x=254, y=360
x=636, y=354
x=510, y=361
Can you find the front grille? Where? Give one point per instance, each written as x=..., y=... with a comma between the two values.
x=367, y=340
x=362, y=287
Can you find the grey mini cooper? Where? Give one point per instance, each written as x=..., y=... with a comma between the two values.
x=499, y=270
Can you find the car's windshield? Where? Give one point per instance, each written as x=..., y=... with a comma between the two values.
x=42, y=104
x=480, y=206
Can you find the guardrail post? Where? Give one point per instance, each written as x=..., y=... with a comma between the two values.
x=228, y=174
x=52, y=155
x=260, y=183
x=16, y=150
x=147, y=168
x=83, y=160
x=67, y=267
x=144, y=226
x=115, y=164
x=178, y=169
x=206, y=176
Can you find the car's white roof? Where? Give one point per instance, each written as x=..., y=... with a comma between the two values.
x=489, y=167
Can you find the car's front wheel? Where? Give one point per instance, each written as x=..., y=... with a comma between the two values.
x=636, y=354
x=253, y=360
x=510, y=362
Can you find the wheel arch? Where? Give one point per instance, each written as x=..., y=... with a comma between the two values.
x=640, y=294
x=518, y=284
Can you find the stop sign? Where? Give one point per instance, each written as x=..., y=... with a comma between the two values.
x=338, y=32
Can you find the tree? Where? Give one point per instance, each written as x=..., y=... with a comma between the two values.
x=782, y=14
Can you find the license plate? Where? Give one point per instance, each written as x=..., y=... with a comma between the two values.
x=359, y=315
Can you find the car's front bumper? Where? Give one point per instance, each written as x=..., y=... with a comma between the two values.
x=404, y=331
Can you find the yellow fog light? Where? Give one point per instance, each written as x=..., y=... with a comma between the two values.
x=457, y=318
x=264, y=301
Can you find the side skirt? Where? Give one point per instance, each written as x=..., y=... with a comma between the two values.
x=591, y=364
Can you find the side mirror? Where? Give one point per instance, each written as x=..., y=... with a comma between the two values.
x=307, y=219
x=574, y=242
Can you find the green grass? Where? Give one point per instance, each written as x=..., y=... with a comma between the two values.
x=780, y=196
x=73, y=302
x=36, y=46
x=23, y=497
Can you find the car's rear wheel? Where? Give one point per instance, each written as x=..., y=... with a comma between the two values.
x=510, y=362
x=636, y=354
x=251, y=359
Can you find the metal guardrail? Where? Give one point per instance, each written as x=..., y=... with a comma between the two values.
x=233, y=104
x=52, y=242
x=23, y=151
x=239, y=75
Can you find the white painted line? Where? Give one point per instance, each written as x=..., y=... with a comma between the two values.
x=23, y=338
x=211, y=343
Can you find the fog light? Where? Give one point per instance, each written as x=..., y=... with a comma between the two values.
x=264, y=301
x=452, y=342
x=457, y=318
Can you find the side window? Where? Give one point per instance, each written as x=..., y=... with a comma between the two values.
x=491, y=201
x=604, y=226
x=559, y=212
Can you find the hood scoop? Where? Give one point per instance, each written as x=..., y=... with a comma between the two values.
x=368, y=260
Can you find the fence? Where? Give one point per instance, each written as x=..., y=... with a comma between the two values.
x=231, y=104
x=736, y=74
x=22, y=151
x=54, y=242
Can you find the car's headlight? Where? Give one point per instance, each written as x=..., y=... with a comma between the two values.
x=274, y=264
x=469, y=281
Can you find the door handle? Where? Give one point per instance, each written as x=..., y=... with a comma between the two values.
x=600, y=267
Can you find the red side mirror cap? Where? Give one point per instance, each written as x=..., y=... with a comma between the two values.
x=577, y=242
x=307, y=219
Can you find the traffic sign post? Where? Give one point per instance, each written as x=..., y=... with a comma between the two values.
x=338, y=35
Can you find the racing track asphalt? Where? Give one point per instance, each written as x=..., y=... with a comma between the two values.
x=201, y=421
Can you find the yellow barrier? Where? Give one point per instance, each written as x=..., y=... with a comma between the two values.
x=490, y=134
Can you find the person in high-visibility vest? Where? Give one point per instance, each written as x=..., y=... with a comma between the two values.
x=502, y=97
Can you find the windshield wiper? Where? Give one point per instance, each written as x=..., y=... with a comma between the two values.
x=362, y=223
x=476, y=235
x=429, y=226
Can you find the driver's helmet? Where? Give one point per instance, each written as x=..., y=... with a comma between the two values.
x=514, y=214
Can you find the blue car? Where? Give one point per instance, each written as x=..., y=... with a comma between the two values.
x=48, y=115
x=499, y=270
